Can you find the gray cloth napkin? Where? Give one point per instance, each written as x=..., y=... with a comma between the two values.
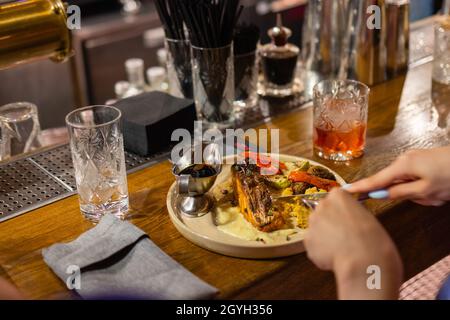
x=117, y=259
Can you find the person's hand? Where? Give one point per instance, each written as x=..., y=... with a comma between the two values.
x=346, y=238
x=422, y=176
x=8, y=291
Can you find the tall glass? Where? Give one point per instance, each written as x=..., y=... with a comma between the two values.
x=340, y=119
x=323, y=33
x=96, y=142
x=19, y=129
x=245, y=80
x=441, y=70
x=213, y=79
x=179, y=69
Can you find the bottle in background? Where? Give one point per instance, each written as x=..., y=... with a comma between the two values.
x=157, y=78
x=121, y=88
x=161, y=55
x=397, y=39
x=135, y=71
x=440, y=92
x=279, y=62
x=323, y=33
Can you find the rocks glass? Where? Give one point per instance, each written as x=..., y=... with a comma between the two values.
x=96, y=142
x=19, y=129
x=340, y=119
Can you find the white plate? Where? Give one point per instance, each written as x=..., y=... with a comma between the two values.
x=203, y=232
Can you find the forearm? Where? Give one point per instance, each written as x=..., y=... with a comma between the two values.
x=378, y=278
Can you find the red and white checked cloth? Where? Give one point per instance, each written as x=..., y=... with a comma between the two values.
x=426, y=285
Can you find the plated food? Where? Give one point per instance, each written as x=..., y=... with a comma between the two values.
x=253, y=190
x=247, y=220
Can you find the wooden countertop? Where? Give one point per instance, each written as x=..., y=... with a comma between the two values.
x=401, y=117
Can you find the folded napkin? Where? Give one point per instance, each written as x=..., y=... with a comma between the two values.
x=117, y=259
x=149, y=119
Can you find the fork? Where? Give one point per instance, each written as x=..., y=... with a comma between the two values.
x=312, y=200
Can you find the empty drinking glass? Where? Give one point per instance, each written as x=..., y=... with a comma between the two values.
x=96, y=142
x=340, y=119
x=19, y=129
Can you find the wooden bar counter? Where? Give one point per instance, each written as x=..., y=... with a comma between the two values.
x=401, y=117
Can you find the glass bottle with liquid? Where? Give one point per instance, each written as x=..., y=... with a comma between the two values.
x=135, y=71
x=279, y=62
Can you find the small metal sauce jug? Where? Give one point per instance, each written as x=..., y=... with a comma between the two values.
x=193, y=200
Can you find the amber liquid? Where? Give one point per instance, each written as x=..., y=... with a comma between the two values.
x=342, y=135
x=333, y=141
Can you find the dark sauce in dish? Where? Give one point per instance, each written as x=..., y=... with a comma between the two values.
x=199, y=171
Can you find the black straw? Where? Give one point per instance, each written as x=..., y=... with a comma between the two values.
x=171, y=18
x=210, y=22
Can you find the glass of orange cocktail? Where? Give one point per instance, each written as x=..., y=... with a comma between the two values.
x=340, y=119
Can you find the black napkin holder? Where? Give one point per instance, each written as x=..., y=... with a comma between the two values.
x=149, y=119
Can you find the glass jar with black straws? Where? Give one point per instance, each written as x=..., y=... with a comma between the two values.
x=179, y=70
x=279, y=62
x=211, y=25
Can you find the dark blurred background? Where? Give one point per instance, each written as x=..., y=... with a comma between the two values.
x=108, y=37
